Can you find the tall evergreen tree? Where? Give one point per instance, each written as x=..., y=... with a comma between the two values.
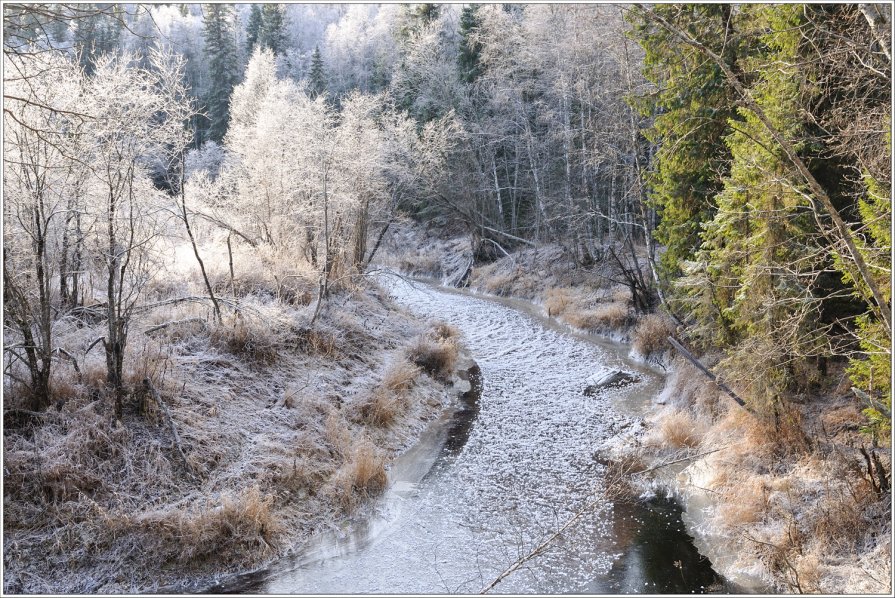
x=760, y=261
x=220, y=51
x=693, y=107
x=253, y=28
x=273, y=28
x=761, y=248
x=97, y=34
x=317, y=76
x=469, y=50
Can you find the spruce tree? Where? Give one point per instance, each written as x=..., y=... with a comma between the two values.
x=469, y=51
x=220, y=51
x=253, y=29
x=317, y=76
x=692, y=110
x=273, y=28
x=761, y=248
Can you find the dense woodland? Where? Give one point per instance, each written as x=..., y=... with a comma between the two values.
x=731, y=164
x=745, y=150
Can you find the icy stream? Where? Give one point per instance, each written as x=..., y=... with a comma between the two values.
x=453, y=520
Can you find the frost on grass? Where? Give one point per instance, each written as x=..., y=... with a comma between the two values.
x=265, y=405
x=781, y=499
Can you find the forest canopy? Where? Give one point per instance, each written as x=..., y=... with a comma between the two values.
x=731, y=161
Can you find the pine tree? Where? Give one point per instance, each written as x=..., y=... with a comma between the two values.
x=98, y=34
x=253, y=29
x=693, y=108
x=220, y=50
x=415, y=17
x=317, y=76
x=273, y=28
x=469, y=51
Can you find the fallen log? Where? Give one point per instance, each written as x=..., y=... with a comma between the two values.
x=692, y=359
x=174, y=323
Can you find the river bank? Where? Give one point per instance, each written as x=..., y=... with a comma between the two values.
x=786, y=504
x=275, y=430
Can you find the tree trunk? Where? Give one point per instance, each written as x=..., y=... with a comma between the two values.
x=189, y=232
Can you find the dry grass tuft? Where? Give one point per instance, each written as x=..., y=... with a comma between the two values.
x=240, y=524
x=363, y=475
x=400, y=377
x=337, y=435
x=499, y=284
x=679, y=430
x=247, y=338
x=435, y=357
x=777, y=438
x=380, y=408
x=442, y=331
x=423, y=263
x=651, y=334
x=316, y=342
x=556, y=301
x=240, y=527
x=612, y=315
x=64, y=388
x=838, y=524
x=749, y=503
x=620, y=295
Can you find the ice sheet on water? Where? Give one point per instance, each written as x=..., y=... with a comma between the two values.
x=525, y=470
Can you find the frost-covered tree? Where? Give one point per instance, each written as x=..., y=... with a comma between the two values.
x=79, y=193
x=317, y=75
x=361, y=49
x=220, y=51
x=253, y=28
x=272, y=34
x=136, y=114
x=43, y=116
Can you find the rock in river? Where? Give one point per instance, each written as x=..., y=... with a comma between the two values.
x=608, y=379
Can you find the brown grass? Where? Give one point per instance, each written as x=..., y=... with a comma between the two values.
x=361, y=476
x=746, y=503
x=435, y=354
x=499, y=284
x=442, y=331
x=337, y=435
x=612, y=315
x=781, y=436
x=246, y=338
x=400, y=376
x=838, y=523
x=425, y=263
x=679, y=430
x=380, y=408
x=315, y=342
x=240, y=526
x=651, y=334
x=556, y=301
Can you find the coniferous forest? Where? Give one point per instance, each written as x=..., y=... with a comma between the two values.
x=227, y=233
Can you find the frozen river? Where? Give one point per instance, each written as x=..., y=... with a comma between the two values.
x=454, y=518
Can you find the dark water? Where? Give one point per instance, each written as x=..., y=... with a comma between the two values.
x=660, y=557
